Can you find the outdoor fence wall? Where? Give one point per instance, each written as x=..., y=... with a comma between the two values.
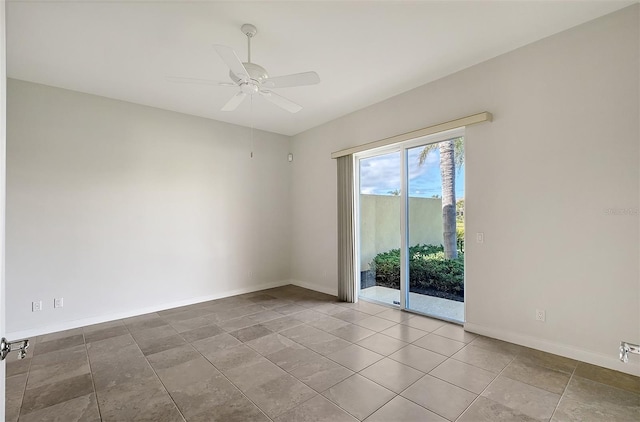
x=380, y=224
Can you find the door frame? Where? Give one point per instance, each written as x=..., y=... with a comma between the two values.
x=402, y=147
x=3, y=145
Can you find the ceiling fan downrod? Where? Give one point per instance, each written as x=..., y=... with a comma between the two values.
x=250, y=31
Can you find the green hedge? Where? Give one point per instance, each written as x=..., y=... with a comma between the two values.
x=428, y=269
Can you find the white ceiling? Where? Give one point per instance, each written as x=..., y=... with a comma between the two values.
x=364, y=51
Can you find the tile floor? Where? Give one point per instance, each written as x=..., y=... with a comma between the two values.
x=290, y=354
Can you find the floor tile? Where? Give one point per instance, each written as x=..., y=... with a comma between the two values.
x=142, y=400
x=101, y=334
x=547, y=360
x=486, y=359
x=50, y=394
x=251, y=333
x=321, y=373
x=351, y=315
x=292, y=357
x=455, y=332
x=402, y=410
x=532, y=401
x=439, y=396
x=211, y=346
x=153, y=333
x=583, y=396
x=59, y=335
x=497, y=345
x=255, y=373
x=104, y=375
x=355, y=357
x=392, y=374
x=375, y=323
x=59, y=344
x=289, y=309
x=152, y=321
x=68, y=363
x=112, y=348
x=424, y=323
x=79, y=409
x=14, y=393
x=317, y=409
x=308, y=315
x=404, y=333
x=279, y=395
x=17, y=366
x=359, y=396
x=485, y=410
x=200, y=333
x=173, y=357
x=196, y=386
x=463, y=375
x=237, y=409
x=316, y=340
x=538, y=376
x=395, y=315
x=270, y=344
x=281, y=324
x=609, y=377
x=382, y=344
x=190, y=324
x=155, y=345
x=438, y=344
x=328, y=323
x=352, y=333
x=418, y=358
x=234, y=357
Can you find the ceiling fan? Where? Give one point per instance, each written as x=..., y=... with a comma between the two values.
x=254, y=79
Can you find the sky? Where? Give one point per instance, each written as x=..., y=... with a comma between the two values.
x=381, y=174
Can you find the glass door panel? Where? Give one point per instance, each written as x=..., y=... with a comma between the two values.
x=435, y=229
x=379, y=227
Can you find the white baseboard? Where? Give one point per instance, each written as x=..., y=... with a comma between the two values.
x=606, y=361
x=83, y=322
x=315, y=287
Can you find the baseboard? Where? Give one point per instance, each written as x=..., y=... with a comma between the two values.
x=606, y=361
x=315, y=287
x=68, y=325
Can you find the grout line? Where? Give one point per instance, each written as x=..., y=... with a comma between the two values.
x=93, y=383
x=153, y=369
x=489, y=385
x=563, y=393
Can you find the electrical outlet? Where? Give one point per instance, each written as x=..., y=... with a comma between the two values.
x=540, y=315
x=36, y=306
x=480, y=237
x=58, y=302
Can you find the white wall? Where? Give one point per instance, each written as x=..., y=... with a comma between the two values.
x=121, y=208
x=563, y=148
x=3, y=115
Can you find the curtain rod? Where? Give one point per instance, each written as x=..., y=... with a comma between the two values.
x=429, y=130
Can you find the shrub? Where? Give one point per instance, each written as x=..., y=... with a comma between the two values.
x=428, y=270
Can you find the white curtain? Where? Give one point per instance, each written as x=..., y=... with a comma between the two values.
x=346, y=231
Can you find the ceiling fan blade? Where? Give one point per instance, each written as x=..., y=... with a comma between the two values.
x=234, y=102
x=297, y=79
x=281, y=101
x=231, y=59
x=182, y=80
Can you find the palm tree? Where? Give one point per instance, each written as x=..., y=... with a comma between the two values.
x=451, y=158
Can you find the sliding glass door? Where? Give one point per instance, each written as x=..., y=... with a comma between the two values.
x=411, y=225
x=435, y=229
x=379, y=227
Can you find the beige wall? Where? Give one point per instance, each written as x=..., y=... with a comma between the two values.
x=121, y=208
x=562, y=149
x=380, y=224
